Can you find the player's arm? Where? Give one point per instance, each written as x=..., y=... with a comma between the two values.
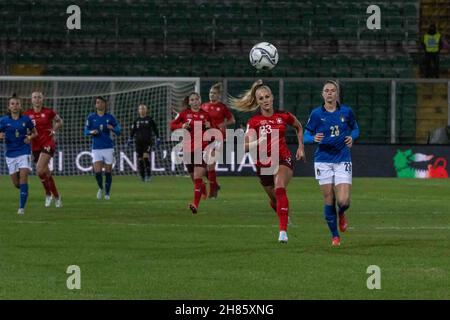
x=179, y=123
x=354, y=134
x=33, y=134
x=115, y=127
x=300, y=154
x=57, y=124
x=133, y=130
x=154, y=128
x=310, y=135
x=88, y=131
x=2, y=130
x=229, y=118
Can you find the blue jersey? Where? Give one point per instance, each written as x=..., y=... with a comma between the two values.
x=335, y=126
x=15, y=133
x=102, y=140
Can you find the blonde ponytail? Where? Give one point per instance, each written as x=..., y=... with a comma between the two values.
x=247, y=101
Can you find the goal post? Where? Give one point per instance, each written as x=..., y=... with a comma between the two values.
x=73, y=99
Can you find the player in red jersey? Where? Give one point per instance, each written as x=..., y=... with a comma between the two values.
x=262, y=130
x=221, y=117
x=190, y=118
x=47, y=122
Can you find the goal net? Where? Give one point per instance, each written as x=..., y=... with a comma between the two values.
x=73, y=98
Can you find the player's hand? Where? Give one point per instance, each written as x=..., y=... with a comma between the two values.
x=186, y=126
x=319, y=137
x=110, y=127
x=27, y=139
x=348, y=141
x=94, y=132
x=300, y=154
x=2, y=135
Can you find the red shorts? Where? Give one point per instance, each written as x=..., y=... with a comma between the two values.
x=190, y=167
x=269, y=180
x=47, y=149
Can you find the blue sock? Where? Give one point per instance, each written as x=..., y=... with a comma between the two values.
x=23, y=195
x=108, y=182
x=99, y=178
x=331, y=218
x=342, y=209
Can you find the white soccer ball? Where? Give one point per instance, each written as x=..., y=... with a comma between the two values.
x=264, y=56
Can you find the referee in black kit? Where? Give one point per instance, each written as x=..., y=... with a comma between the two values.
x=142, y=131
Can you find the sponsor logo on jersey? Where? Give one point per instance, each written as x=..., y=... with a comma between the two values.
x=342, y=118
x=279, y=120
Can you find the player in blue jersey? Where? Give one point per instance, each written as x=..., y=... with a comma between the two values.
x=333, y=127
x=99, y=126
x=18, y=131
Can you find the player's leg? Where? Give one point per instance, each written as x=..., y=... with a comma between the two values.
x=108, y=159
x=15, y=175
x=43, y=178
x=23, y=183
x=141, y=166
x=343, y=183
x=282, y=178
x=325, y=176
x=147, y=166
x=199, y=172
x=43, y=169
x=98, y=172
x=270, y=191
x=214, y=186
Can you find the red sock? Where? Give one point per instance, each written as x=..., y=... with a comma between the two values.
x=44, y=182
x=52, y=187
x=197, y=191
x=212, y=178
x=282, y=207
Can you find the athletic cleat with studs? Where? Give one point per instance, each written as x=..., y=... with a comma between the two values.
x=21, y=211
x=283, y=238
x=99, y=194
x=193, y=208
x=214, y=190
x=336, y=242
x=107, y=197
x=343, y=223
x=58, y=203
x=48, y=201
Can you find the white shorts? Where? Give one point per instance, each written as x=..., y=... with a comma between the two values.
x=104, y=155
x=20, y=162
x=333, y=173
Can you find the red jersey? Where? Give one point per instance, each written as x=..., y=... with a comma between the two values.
x=43, y=122
x=219, y=112
x=279, y=120
x=194, y=119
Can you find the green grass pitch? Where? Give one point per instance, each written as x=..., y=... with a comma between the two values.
x=145, y=244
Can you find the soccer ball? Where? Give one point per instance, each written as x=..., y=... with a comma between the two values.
x=264, y=56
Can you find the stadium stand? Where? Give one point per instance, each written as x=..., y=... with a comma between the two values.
x=212, y=39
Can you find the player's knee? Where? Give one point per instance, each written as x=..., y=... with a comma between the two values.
x=344, y=204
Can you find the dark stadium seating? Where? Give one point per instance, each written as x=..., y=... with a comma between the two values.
x=212, y=39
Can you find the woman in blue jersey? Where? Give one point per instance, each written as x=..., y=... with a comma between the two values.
x=333, y=127
x=18, y=131
x=100, y=125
